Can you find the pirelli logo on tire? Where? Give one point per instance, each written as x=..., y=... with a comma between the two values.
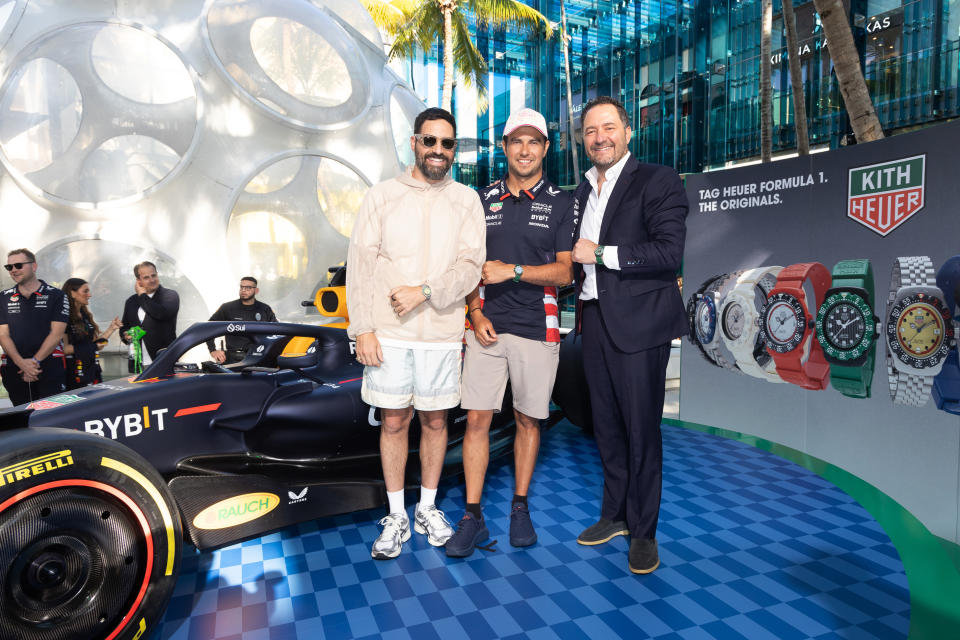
x=35, y=467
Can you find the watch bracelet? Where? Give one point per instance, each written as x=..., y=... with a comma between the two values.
x=909, y=389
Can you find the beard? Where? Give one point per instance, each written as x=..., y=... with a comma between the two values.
x=430, y=171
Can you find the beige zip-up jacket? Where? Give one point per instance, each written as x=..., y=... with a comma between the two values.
x=410, y=233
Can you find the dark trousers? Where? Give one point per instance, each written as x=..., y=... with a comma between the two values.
x=626, y=394
x=50, y=382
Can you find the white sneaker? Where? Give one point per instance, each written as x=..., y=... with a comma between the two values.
x=433, y=523
x=396, y=531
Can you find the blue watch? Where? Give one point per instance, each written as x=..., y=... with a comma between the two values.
x=946, y=384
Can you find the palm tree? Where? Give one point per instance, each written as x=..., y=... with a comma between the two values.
x=766, y=89
x=796, y=80
x=565, y=43
x=846, y=63
x=418, y=24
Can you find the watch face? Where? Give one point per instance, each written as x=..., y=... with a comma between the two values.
x=845, y=325
x=917, y=330
x=783, y=322
x=706, y=319
x=734, y=320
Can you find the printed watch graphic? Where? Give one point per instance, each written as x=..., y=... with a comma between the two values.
x=946, y=384
x=918, y=330
x=740, y=322
x=786, y=322
x=847, y=329
x=702, y=315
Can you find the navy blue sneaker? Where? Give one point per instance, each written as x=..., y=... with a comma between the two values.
x=470, y=532
x=521, y=529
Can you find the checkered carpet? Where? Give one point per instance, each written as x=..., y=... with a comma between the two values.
x=752, y=547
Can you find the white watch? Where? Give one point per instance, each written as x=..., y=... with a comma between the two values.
x=739, y=321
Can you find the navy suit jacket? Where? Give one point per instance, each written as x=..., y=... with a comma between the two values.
x=160, y=321
x=645, y=219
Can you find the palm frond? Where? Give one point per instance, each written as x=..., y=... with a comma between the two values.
x=389, y=15
x=424, y=25
x=502, y=13
x=468, y=60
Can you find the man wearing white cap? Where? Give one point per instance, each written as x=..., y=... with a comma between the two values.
x=515, y=321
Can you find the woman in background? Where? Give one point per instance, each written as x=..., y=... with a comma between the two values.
x=83, y=339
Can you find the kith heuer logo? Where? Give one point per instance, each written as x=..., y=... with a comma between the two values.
x=884, y=196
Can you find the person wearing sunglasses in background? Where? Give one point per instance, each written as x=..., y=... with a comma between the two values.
x=83, y=338
x=33, y=318
x=416, y=251
x=246, y=308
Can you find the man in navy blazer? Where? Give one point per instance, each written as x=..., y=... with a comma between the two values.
x=630, y=234
x=152, y=307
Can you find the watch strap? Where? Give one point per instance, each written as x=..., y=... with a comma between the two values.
x=751, y=356
x=813, y=373
x=946, y=385
x=692, y=318
x=948, y=279
x=909, y=388
x=855, y=381
x=717, y=350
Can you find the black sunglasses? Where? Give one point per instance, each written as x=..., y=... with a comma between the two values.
x=16, y=265
x=431, y=141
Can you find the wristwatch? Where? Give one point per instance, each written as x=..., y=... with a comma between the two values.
x=740, y=326
x=427, y=292
x=702, y=316
x=692, y=319
x=847, y=329
x=946, y=384
x=786, y=322
x=517, y=272
x=918, y=330
x=598, y=254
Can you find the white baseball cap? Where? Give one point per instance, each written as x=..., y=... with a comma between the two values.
x=526, y=118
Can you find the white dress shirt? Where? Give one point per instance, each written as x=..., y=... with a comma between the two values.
x=593, y=219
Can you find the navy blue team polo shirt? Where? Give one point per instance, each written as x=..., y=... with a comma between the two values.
x=29, y=317
x=528, y=229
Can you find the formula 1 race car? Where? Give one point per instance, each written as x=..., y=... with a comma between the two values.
x=100, y=486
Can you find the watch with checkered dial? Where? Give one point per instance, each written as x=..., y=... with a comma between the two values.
x=740, y=326
x=786, y=322
x=847, y=329
x=918, y=330
x=703, y=318
x=946, y=384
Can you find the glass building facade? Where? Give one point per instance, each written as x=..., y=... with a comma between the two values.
x=689, y=75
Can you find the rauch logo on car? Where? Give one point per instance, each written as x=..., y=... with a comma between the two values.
x=236, y=511
x=883, y=196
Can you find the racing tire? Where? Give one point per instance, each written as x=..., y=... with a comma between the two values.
x=570, y=391
x=90, y=538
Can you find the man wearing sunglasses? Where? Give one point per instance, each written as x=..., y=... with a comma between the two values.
x=415, y=253
x=33, y=318
x=515, y=321
x=246, y=308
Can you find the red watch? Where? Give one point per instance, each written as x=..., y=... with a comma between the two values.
x=787, y=325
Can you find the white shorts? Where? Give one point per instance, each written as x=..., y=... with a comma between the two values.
x=427, y=378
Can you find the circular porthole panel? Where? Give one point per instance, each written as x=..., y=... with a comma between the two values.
x=146, y=71
x=290, y=222
x=292, y=60
x=39, y=115
x=312, y=72
x=97, y=113
x=404, y=108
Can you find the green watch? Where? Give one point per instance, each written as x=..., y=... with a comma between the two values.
x=847, y=328
x=598, y=253
x=517, y=272
x=425, y=289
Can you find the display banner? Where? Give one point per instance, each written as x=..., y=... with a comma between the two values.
x=822, y=297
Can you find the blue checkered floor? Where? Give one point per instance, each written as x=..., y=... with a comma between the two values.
x=752, y=547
